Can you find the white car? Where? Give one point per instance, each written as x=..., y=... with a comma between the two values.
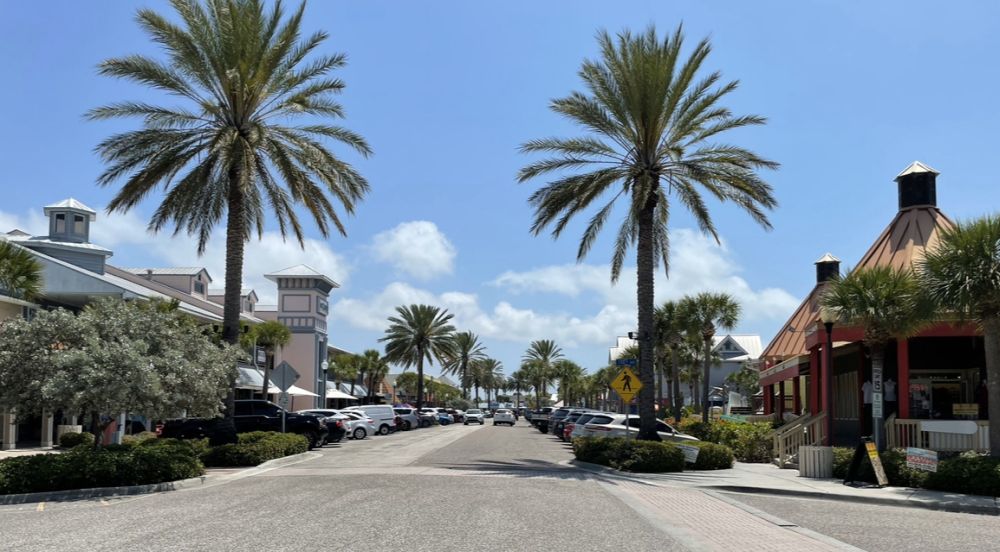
x=582, y=421
x=361, y=425
x=613, y=425
x=384, y=416
x=474, y=416
x=503, y=416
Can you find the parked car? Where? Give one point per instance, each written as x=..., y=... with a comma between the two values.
x=361, y=426
x=382, y=414
x=556, y=420
x=251, y=415
x=576, y=428
x=613, y=425
x=540, y=418
x=409, y=417
x=444, y=418
x=568, y=422
x=338, y=424
x=504, y=416
x=428, y=417
x=457, y=415
x=473, y=416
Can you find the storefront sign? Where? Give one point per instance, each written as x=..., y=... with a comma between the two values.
x=965, y=409
x=876, y=405
x=921, y=459
x=690, y=453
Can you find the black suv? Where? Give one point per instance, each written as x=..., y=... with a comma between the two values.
x=252, y=415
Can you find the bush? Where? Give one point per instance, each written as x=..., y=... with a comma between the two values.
x=696, y=428
x=255, y=448
x=711, y=456
x=138, y=438
x=750, y=442
x=630, y=454
x=969, y=473
x=83, y=467
x=70, y=440
x=197, y=447
x=592, y=449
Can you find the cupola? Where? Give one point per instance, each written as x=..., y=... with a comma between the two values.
x=917, y=186
x=69, y=221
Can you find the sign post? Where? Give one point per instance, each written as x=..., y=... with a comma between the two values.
x=627, y=385
x=284, y=377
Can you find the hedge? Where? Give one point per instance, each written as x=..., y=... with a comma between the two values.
x=70, y=440
x=83, y=468
x=630, y=454
x=750, y=442
x=968, y=473
x=711, y=456
x=255, y=448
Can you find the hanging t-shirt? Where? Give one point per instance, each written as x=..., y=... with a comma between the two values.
x=867, y=389
x=890, y=390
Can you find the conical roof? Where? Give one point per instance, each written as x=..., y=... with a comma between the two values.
x=70, y=204
x=906, y=238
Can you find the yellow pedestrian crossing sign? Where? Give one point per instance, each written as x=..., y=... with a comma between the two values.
x=626, y=384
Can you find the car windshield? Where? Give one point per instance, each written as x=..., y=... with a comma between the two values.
x=475, y=411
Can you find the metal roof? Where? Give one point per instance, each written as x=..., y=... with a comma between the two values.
x=906, y=238
x=300, y=271
x=915, y=168
x=71, y=204
x=174, y=271
x=827, y=258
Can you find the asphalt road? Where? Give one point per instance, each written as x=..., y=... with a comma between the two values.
x=412, y=491
x=885, y=528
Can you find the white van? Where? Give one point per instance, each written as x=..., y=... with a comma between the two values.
x=383, y=414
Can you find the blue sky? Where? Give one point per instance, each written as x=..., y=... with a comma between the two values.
x=446, y=91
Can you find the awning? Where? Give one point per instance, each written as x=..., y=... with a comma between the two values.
x=253, y=378
x=337, y=394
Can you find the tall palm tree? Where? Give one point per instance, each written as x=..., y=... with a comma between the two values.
x=541, y=355
x=20, y=272
x=272, y=336
x=651, y=124
x=670, y=333
x=606, y=376
x=491, y=375
x=887, y=303
x=375, y=367
x=519, y=381
x=347, y=367
x=231, y=149
x=708, y=312
x=416, y=334
x=962, y=272
x=467, y=349
x=568, y=373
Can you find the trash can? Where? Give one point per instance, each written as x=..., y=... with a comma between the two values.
x=816, y=462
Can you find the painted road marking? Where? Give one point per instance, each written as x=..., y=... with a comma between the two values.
x=40, y=507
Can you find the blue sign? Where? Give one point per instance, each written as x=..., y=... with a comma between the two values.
x=626, y=362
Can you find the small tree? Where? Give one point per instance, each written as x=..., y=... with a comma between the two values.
x=708, y=312
x=272, y=336
x=20, y=272
x=113, y=357
x=746, y=380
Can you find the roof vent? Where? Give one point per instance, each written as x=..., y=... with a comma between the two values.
x=917, y=186
x=827, y=268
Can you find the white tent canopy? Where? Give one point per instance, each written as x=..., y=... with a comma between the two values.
x=253, y=378
x=333, y=393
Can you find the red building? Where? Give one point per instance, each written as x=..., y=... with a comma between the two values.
x=933, y=376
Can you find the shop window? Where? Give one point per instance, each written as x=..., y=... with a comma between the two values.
x=79, y=226
x=60, y=223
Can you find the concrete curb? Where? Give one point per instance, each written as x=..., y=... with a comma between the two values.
x=134, y=490
x=943, y=506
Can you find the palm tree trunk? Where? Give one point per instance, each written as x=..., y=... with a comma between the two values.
x=678, y=407
x=235, y=246
x=991, y=339
x=420, y=378
x=268, y=368
x=707, y=376
x=659, y=389
x=644, y=293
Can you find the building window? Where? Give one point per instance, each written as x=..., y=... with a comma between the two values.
x=199, y=287
x=78, y=225
x=60, y=223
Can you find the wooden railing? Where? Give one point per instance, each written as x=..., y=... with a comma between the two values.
x=906, y=433
x=806, y=430
x=752, y=418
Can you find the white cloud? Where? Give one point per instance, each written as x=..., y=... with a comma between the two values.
x=416, y=248
x=127, y=236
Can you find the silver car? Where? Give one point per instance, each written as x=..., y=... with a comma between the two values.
x=474, y=416
x=360, y=426
x=614, y=425
x=503, y=416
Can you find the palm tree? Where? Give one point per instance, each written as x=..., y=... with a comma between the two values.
x=347, y=366
x=963, y=274
x=233, y=150
x=375, y=367
x=568, y=373
x=418, y=333
x=519, y=381
x=708, y=312
x=490, y=375
x=272, y=336
x=650, y=124
x=887, y=303
x=670, y=332
x=541, y=355
x=606, y=376
x=467, y=349
x=20, y=272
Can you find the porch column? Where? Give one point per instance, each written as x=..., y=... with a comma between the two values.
x=9, y=428
x=46, y=440
x=781, y=400
x=796, y=396
x=903, y=380
x=768, y=398
x=815, y=381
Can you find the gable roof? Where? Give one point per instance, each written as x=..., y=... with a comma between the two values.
x=70, y=203
x=170, y=271
x=301, y=271
x=749, y=344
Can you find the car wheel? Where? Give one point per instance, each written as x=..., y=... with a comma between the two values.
x=383, y=429
x=311, y=437
x=360, y=433
x=494, y=423
x=466, y=423
x=481, y=422
x=407, y=426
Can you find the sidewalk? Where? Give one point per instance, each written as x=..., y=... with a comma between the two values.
x=769, y=479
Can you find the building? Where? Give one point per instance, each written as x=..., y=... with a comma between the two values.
x=932, y=376
x=76, y=272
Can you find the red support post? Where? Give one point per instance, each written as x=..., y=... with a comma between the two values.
x=903, y=380
x=796, y=396
x=781, y=400
x=768, y=396
x=815, y=381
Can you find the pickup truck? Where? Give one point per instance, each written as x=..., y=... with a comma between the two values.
x=540, y=418
x=251, y=415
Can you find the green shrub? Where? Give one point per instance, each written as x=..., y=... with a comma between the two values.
x=970, y=473
x=696, y=428
x=647, y=456
x=255, y=448
x=70, y=440
x=893, y=463
x=197, y=447
x=82, y=468
x=750, y=442
x=711, y=456
x=138, y=438
x=592, y=449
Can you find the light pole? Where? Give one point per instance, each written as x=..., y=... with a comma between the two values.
x=828, y=317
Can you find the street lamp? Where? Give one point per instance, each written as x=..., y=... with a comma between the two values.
x=828, y=317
